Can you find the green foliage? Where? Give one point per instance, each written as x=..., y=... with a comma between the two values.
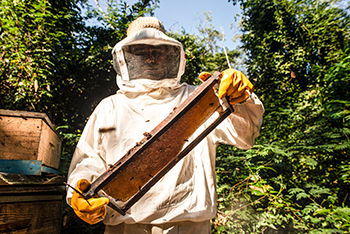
x=29, y=34
x=286, y=39
x=295, y=179
x=218, y=62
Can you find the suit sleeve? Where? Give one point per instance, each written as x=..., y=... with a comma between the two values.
x=88, y=161
x=243, y=126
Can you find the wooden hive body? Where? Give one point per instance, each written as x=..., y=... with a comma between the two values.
x=29, y=136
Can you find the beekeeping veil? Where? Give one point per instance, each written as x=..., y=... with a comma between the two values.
x=147, y=59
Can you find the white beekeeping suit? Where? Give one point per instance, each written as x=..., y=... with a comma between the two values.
x=187, y=193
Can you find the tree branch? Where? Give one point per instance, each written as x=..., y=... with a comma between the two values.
x=103, y=13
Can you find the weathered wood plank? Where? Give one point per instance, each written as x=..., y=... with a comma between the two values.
x=31, y=217
x=30, y=198
x=31, y=209
x=27, y=114
x=24, y=167
x=19, y=138
x=49, y=144
x=14, y=190
x=49, y=170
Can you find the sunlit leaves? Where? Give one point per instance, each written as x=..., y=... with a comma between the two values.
x=28, y=37
x=299, y=62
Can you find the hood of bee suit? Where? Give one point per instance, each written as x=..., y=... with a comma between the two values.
x=150, y=36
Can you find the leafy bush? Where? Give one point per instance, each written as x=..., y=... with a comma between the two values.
x=295, y=179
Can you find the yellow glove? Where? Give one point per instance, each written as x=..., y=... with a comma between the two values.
x=89, y=211
x=204, y=76
x=233, y=83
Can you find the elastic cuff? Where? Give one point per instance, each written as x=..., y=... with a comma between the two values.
x=243, y=102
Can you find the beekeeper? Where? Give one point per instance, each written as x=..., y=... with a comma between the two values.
x=149, y=66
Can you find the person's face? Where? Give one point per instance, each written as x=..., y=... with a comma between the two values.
x=148, y=61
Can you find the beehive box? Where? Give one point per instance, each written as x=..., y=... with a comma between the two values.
x=29, y=136
x=30, y=204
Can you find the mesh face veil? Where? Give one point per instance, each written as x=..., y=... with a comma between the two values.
x=154, y=62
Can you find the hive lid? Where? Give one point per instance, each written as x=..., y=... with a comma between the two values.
x=28, y=114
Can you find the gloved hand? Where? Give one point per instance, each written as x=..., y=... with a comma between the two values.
x=233, y=83
x=91, y=211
